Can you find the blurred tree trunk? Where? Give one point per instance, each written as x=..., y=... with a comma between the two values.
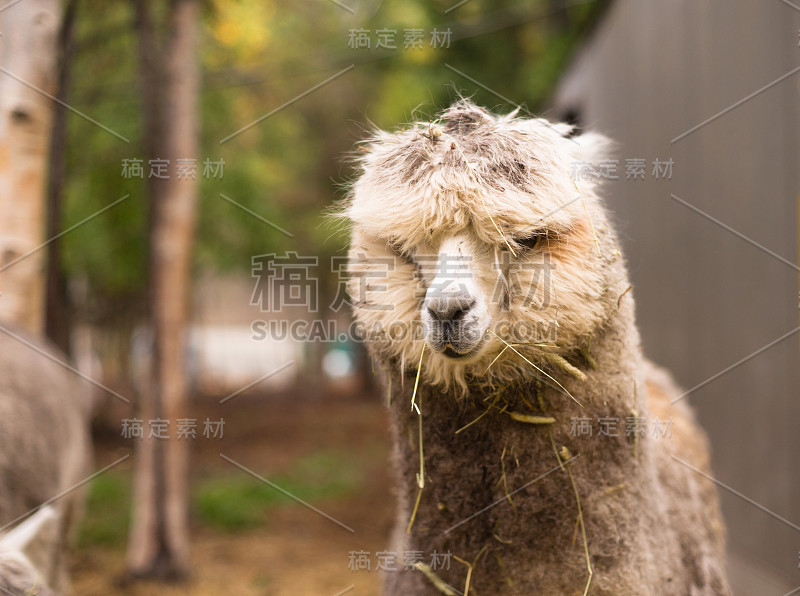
x=558, y=14
x=57, y=326
x=27, y=77
x=159, y=543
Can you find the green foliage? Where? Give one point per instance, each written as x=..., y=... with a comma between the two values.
x=229, y=502
x=257, y=55
x=109, y=503
x=236, y=502
x=110, y=249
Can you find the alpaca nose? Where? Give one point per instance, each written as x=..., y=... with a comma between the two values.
x=450, y=309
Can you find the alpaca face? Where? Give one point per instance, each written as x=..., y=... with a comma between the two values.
x=456, y=310
x=473, y=289
x=470, y=233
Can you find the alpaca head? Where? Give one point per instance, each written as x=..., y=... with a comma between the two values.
x=471, y=231
x=26, y=552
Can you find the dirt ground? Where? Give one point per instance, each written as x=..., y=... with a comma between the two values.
x=297, y=552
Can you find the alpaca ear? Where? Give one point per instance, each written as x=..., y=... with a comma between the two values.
x=591, y=147
x=35, y=537
x=565, y=129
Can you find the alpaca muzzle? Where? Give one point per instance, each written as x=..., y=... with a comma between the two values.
x=453, y=322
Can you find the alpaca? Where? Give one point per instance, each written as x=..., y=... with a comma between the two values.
x=25, y=550
x=44, y=454
x=490, y=290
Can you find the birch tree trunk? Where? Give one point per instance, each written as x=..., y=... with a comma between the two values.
x=159, y=545
x=27, y=75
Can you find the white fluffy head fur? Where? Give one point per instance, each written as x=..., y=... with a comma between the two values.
x=470, y=228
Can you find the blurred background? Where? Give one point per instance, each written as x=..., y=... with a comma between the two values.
x=165, y=173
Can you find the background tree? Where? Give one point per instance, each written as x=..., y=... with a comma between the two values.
x=57, y=323
x=27, y=82
x=159, y=541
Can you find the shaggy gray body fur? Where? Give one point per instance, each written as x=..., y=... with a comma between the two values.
x=653, y=526
x=44, y=449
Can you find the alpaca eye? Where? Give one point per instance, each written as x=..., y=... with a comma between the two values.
x=532, y=241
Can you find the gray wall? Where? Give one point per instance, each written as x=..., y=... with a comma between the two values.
x=706, y=298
